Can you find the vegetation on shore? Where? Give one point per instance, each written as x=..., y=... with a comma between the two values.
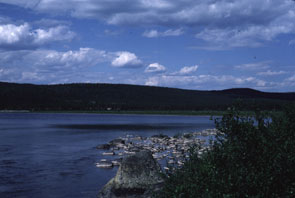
x=253, y=156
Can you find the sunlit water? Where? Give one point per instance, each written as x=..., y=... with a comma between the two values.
x=54, y=155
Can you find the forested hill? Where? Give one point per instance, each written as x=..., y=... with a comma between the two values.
x=130, y=97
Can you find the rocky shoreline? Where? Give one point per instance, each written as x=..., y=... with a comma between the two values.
x=169, y=151
x=141, y=160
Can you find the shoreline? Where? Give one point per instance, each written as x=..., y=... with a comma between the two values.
x=139, y=112
x=168, y=151
x=148, y=112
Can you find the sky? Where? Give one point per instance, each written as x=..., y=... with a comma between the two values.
x=189, y=44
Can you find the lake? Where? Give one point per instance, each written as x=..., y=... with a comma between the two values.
x=54, y=155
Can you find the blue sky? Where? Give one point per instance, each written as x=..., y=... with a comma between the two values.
x=191, y=44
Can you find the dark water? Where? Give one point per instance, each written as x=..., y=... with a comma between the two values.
x=54, y=155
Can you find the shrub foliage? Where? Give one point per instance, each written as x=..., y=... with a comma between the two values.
x=253, y=156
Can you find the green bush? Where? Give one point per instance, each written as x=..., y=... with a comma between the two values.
x=253, y=156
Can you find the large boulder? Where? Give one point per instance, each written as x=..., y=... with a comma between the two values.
x=138, y=176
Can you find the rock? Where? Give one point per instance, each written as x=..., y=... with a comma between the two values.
x=161, y=136
x=117, y=141
x=111, y=144
x=103, y=146
x=138, y=176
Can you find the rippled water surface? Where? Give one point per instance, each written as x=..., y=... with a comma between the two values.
x=54, y=155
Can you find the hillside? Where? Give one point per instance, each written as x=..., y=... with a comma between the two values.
x=130, y=97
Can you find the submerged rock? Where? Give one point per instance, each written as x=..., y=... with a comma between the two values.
x=137, y=176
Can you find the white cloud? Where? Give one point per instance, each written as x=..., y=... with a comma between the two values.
x=59, y=60
x=48, y=66
x=4, y=20
x=253, y=66
x=45, y=22
x=271, y=73
x=203, y=81
x=157, y=12
x=11, y=33
x=126, y=59
x=188, y=70
x=22, y=36
x=228, y=23
x=228, y=38
x=151, y=34
x=252, y=34
x=58, y=33
x=26, y=4
x=84, y=57
x=49, y=60
x=152, y=81
x=291, y=79
x=155, y=68
x=31, y=76
x=156, y=33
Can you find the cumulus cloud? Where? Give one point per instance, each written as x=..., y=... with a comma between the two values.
x=156, y=33
x=49, y=60
x=157, y=12
x=42, y=65
x=228, y=23
x=155, y=68
x=22, y=36
x=188, y=70
x=58, y=33
x=271, y=73
x=83, y=57
x=11, y=33
x=126, y=59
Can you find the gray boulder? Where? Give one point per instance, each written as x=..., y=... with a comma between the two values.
x=138, y=176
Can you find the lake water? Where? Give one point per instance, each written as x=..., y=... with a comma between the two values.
x=54, y=155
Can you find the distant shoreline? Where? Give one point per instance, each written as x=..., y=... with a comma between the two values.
x=188, y=113
x=15, y=111
x=142, y=112
x=148, y=112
